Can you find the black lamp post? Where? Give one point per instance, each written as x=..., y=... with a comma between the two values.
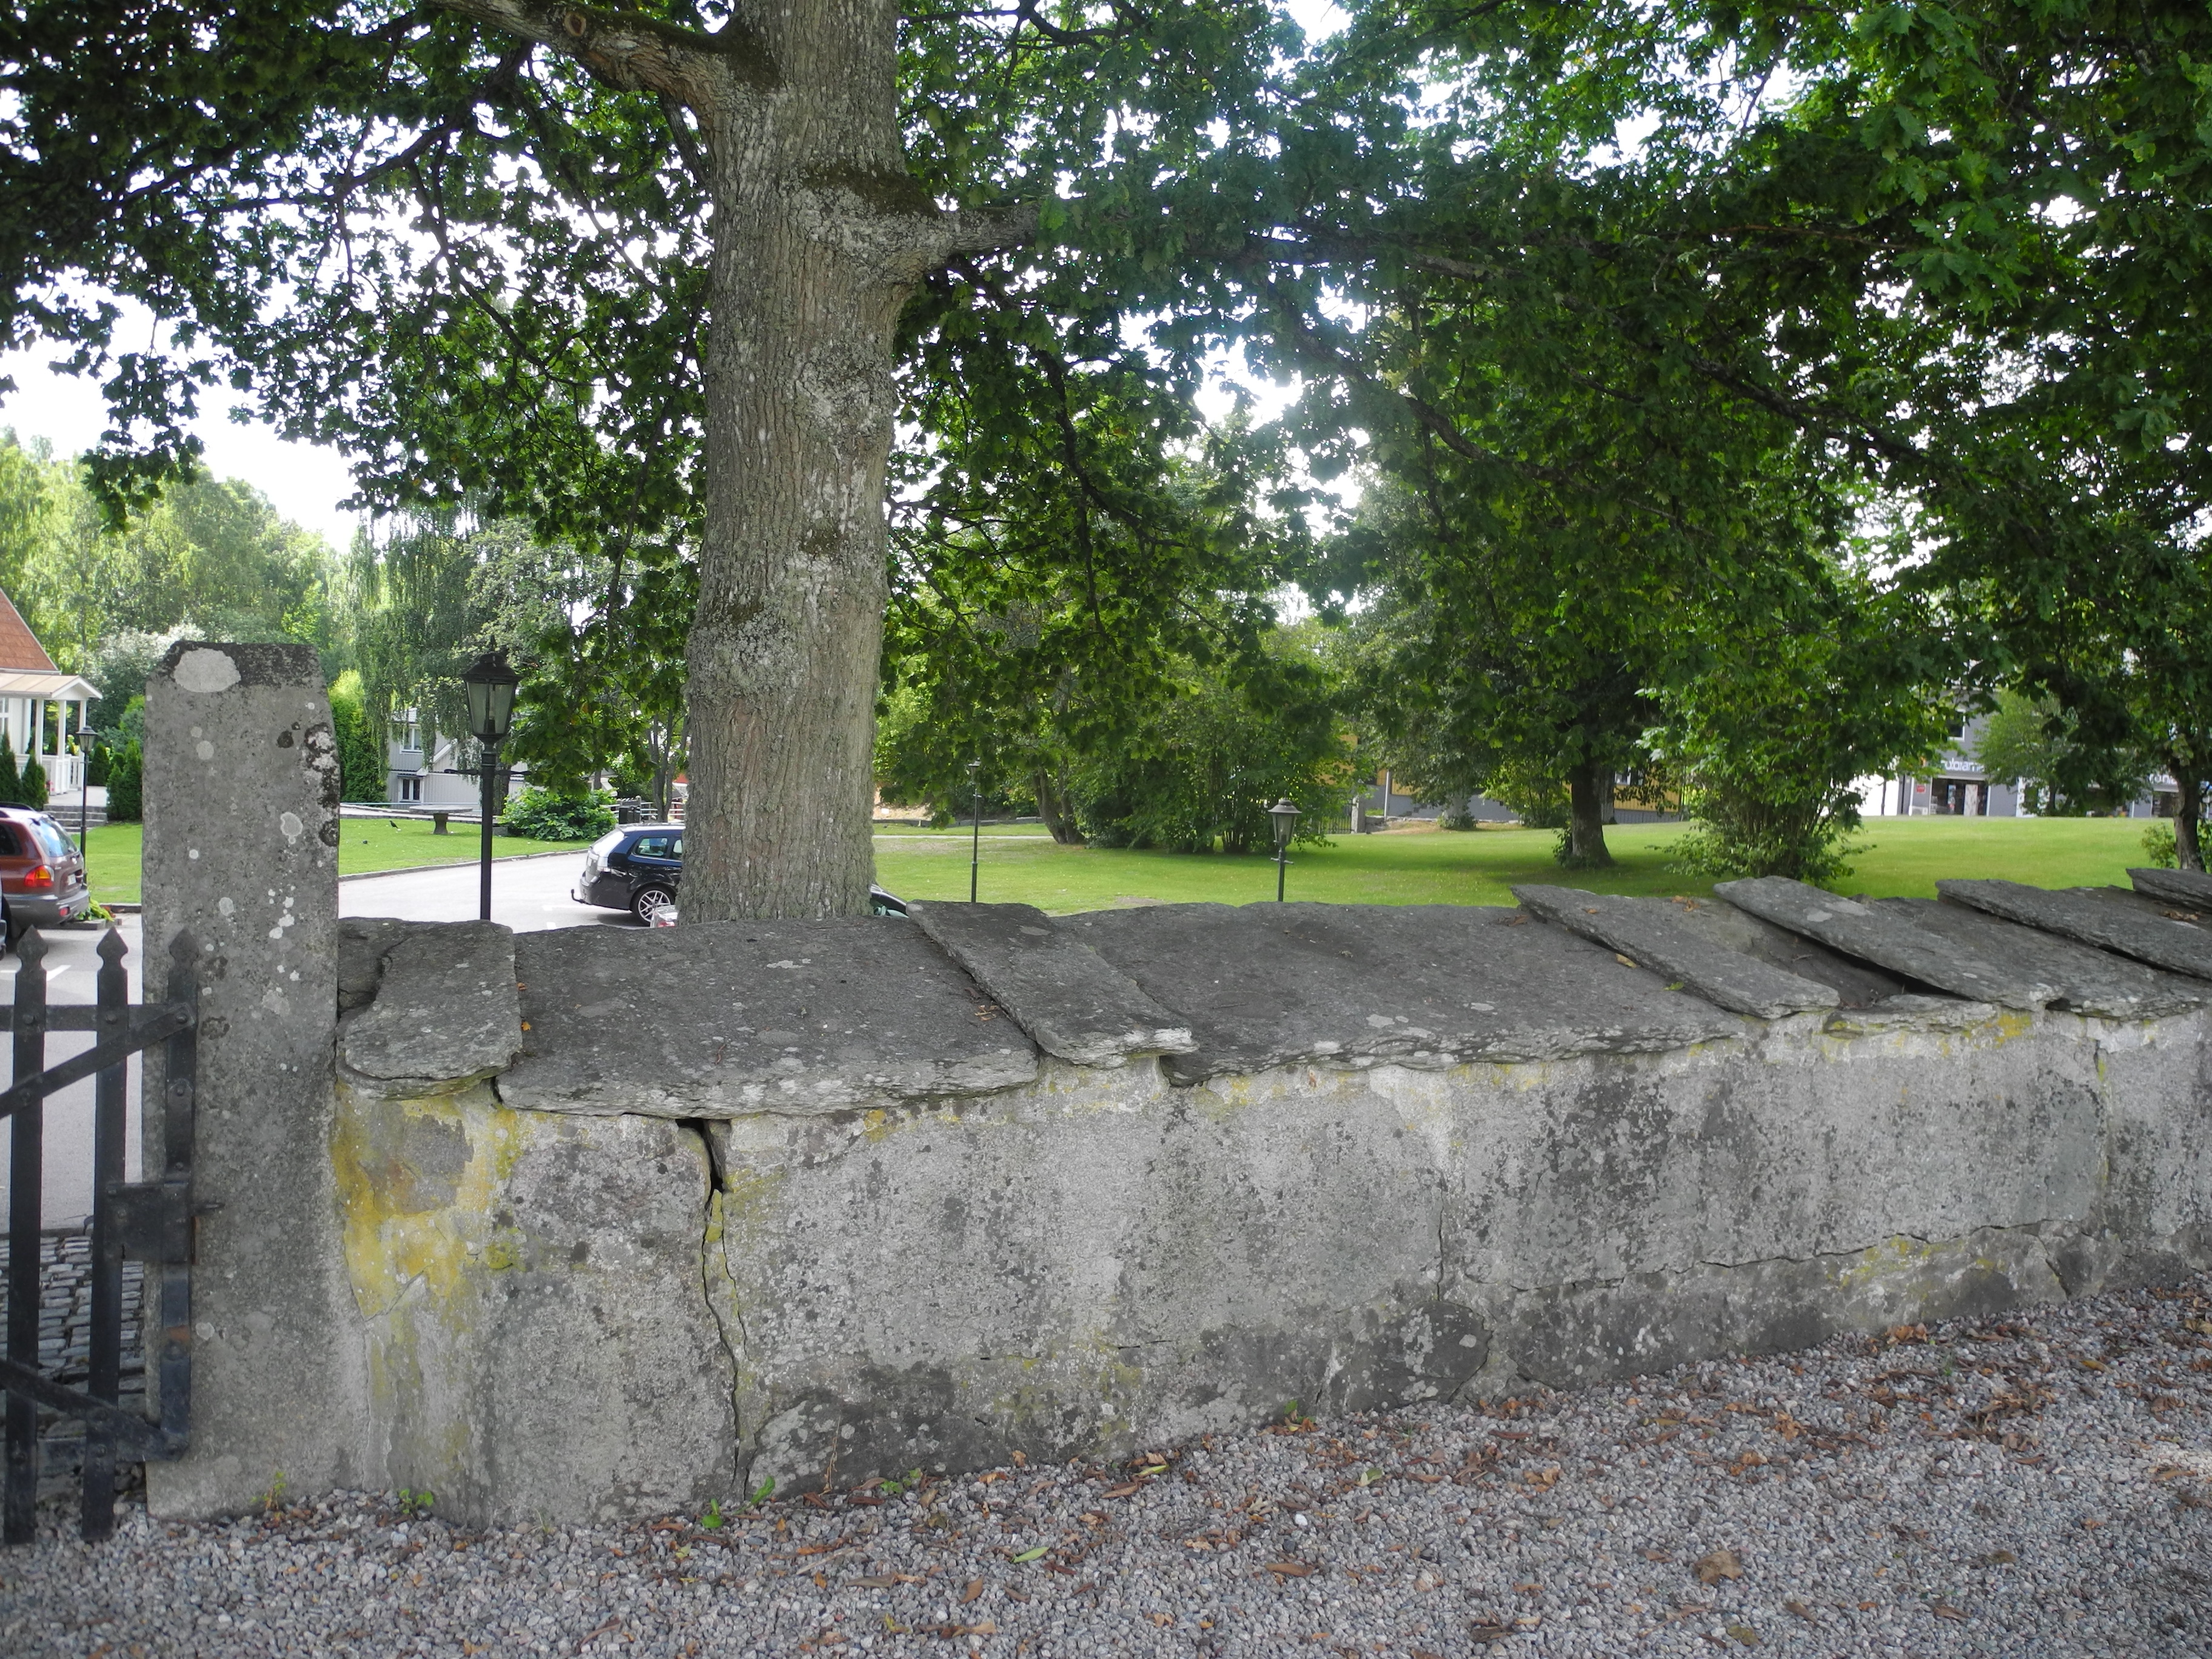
x=87, y=740
x=490, y=685
x=1286, y=817
x=976, y=840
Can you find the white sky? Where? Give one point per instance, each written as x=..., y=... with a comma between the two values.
x=306, y=482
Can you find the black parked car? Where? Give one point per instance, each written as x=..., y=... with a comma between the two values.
x=637, y=868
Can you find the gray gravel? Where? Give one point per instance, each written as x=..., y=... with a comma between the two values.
x=2036, y=1485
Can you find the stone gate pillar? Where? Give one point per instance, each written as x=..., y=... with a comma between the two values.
x=242, y=830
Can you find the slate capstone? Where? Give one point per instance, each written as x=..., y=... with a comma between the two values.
x=446, y=1011
x=1428, y=986
x=2112, y=924
x=720, y=1020
x=1890, y=939
x=2087, y=981
x=1856, y=985
x=1076, y=1006
x=2188, y=887
x=1657, y=940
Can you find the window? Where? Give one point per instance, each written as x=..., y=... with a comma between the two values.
x=10, y=845
x=57, y=845
x=653, y=847
x=411, y=788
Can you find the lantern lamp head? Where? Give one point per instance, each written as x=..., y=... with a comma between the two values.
x=490, y=685
x=1285, y=816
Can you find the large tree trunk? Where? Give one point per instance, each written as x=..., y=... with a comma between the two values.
x=800, y=403
x=1587, y=793
x=819, y=234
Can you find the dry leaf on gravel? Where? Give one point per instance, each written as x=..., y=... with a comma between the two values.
x=975, y=1588
x=1800, y=1609
x=1289, y=1569
x=1489, y=1632
x=1721, y=1564
x=1945, y=1610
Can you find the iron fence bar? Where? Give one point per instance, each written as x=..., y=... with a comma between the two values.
x=149, y=1028
x=29, y=1382
x=104, y=1379
x=63, y=1017
x=18, y=1499
x=181, y=1073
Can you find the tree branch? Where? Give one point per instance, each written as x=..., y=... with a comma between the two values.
x=630, y=53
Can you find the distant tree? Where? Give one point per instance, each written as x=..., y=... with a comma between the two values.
x=361, y=769
x=125, y=790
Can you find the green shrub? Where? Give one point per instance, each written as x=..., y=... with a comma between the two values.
x=11, y=786
x=2157, y=844
x=125, y=781
x=33, y=786
x=360, y=766
x=542, y=814
x=97, y=765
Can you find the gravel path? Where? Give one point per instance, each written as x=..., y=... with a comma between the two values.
x=2040, y=1485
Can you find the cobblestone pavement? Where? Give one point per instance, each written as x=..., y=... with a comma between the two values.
x=2036, y=1485
x=65, y=1338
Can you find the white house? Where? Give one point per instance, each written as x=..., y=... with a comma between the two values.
x=1955, y=787
x=30, y=685
x=431, y=782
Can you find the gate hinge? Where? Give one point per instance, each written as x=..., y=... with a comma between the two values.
x=152, y=1219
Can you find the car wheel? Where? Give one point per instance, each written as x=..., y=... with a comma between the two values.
x=647, y=899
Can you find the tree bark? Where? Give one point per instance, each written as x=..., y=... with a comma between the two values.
x=819, y=235
x=2188, y=816
x=1586, y=796
x=1052, y=808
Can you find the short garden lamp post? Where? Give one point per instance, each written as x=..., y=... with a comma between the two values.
x=490, y=685
x=1286, y=817
x=975, y=840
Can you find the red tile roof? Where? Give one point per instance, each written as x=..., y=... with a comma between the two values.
x=20, y=649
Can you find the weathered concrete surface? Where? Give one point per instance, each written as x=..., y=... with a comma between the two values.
x=1076, y=1006
x=1889, y=940
x=1435, y=986
x=1098, y=1262
x=1644, y=929
x=720, y=1019
x=529, y=1287
x=2191, y=887
x=241, y=849
x=445, y=1012
x=2092, y=919
x=2087, y=980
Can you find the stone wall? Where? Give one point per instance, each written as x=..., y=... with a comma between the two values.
x=633, y=1219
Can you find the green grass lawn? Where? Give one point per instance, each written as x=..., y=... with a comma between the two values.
x=368, y=844
x=1021, y=863
x=1895, y=856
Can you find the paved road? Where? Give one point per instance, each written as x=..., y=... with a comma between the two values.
x=527, y=894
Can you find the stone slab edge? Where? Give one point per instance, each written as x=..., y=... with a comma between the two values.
x=446, y=1012
x=2188, y=887
x=1742, y=984
x=2108, y=924
x=1884, y=938
x=1074, y=1004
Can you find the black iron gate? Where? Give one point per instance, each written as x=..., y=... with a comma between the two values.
x=149, y=1221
